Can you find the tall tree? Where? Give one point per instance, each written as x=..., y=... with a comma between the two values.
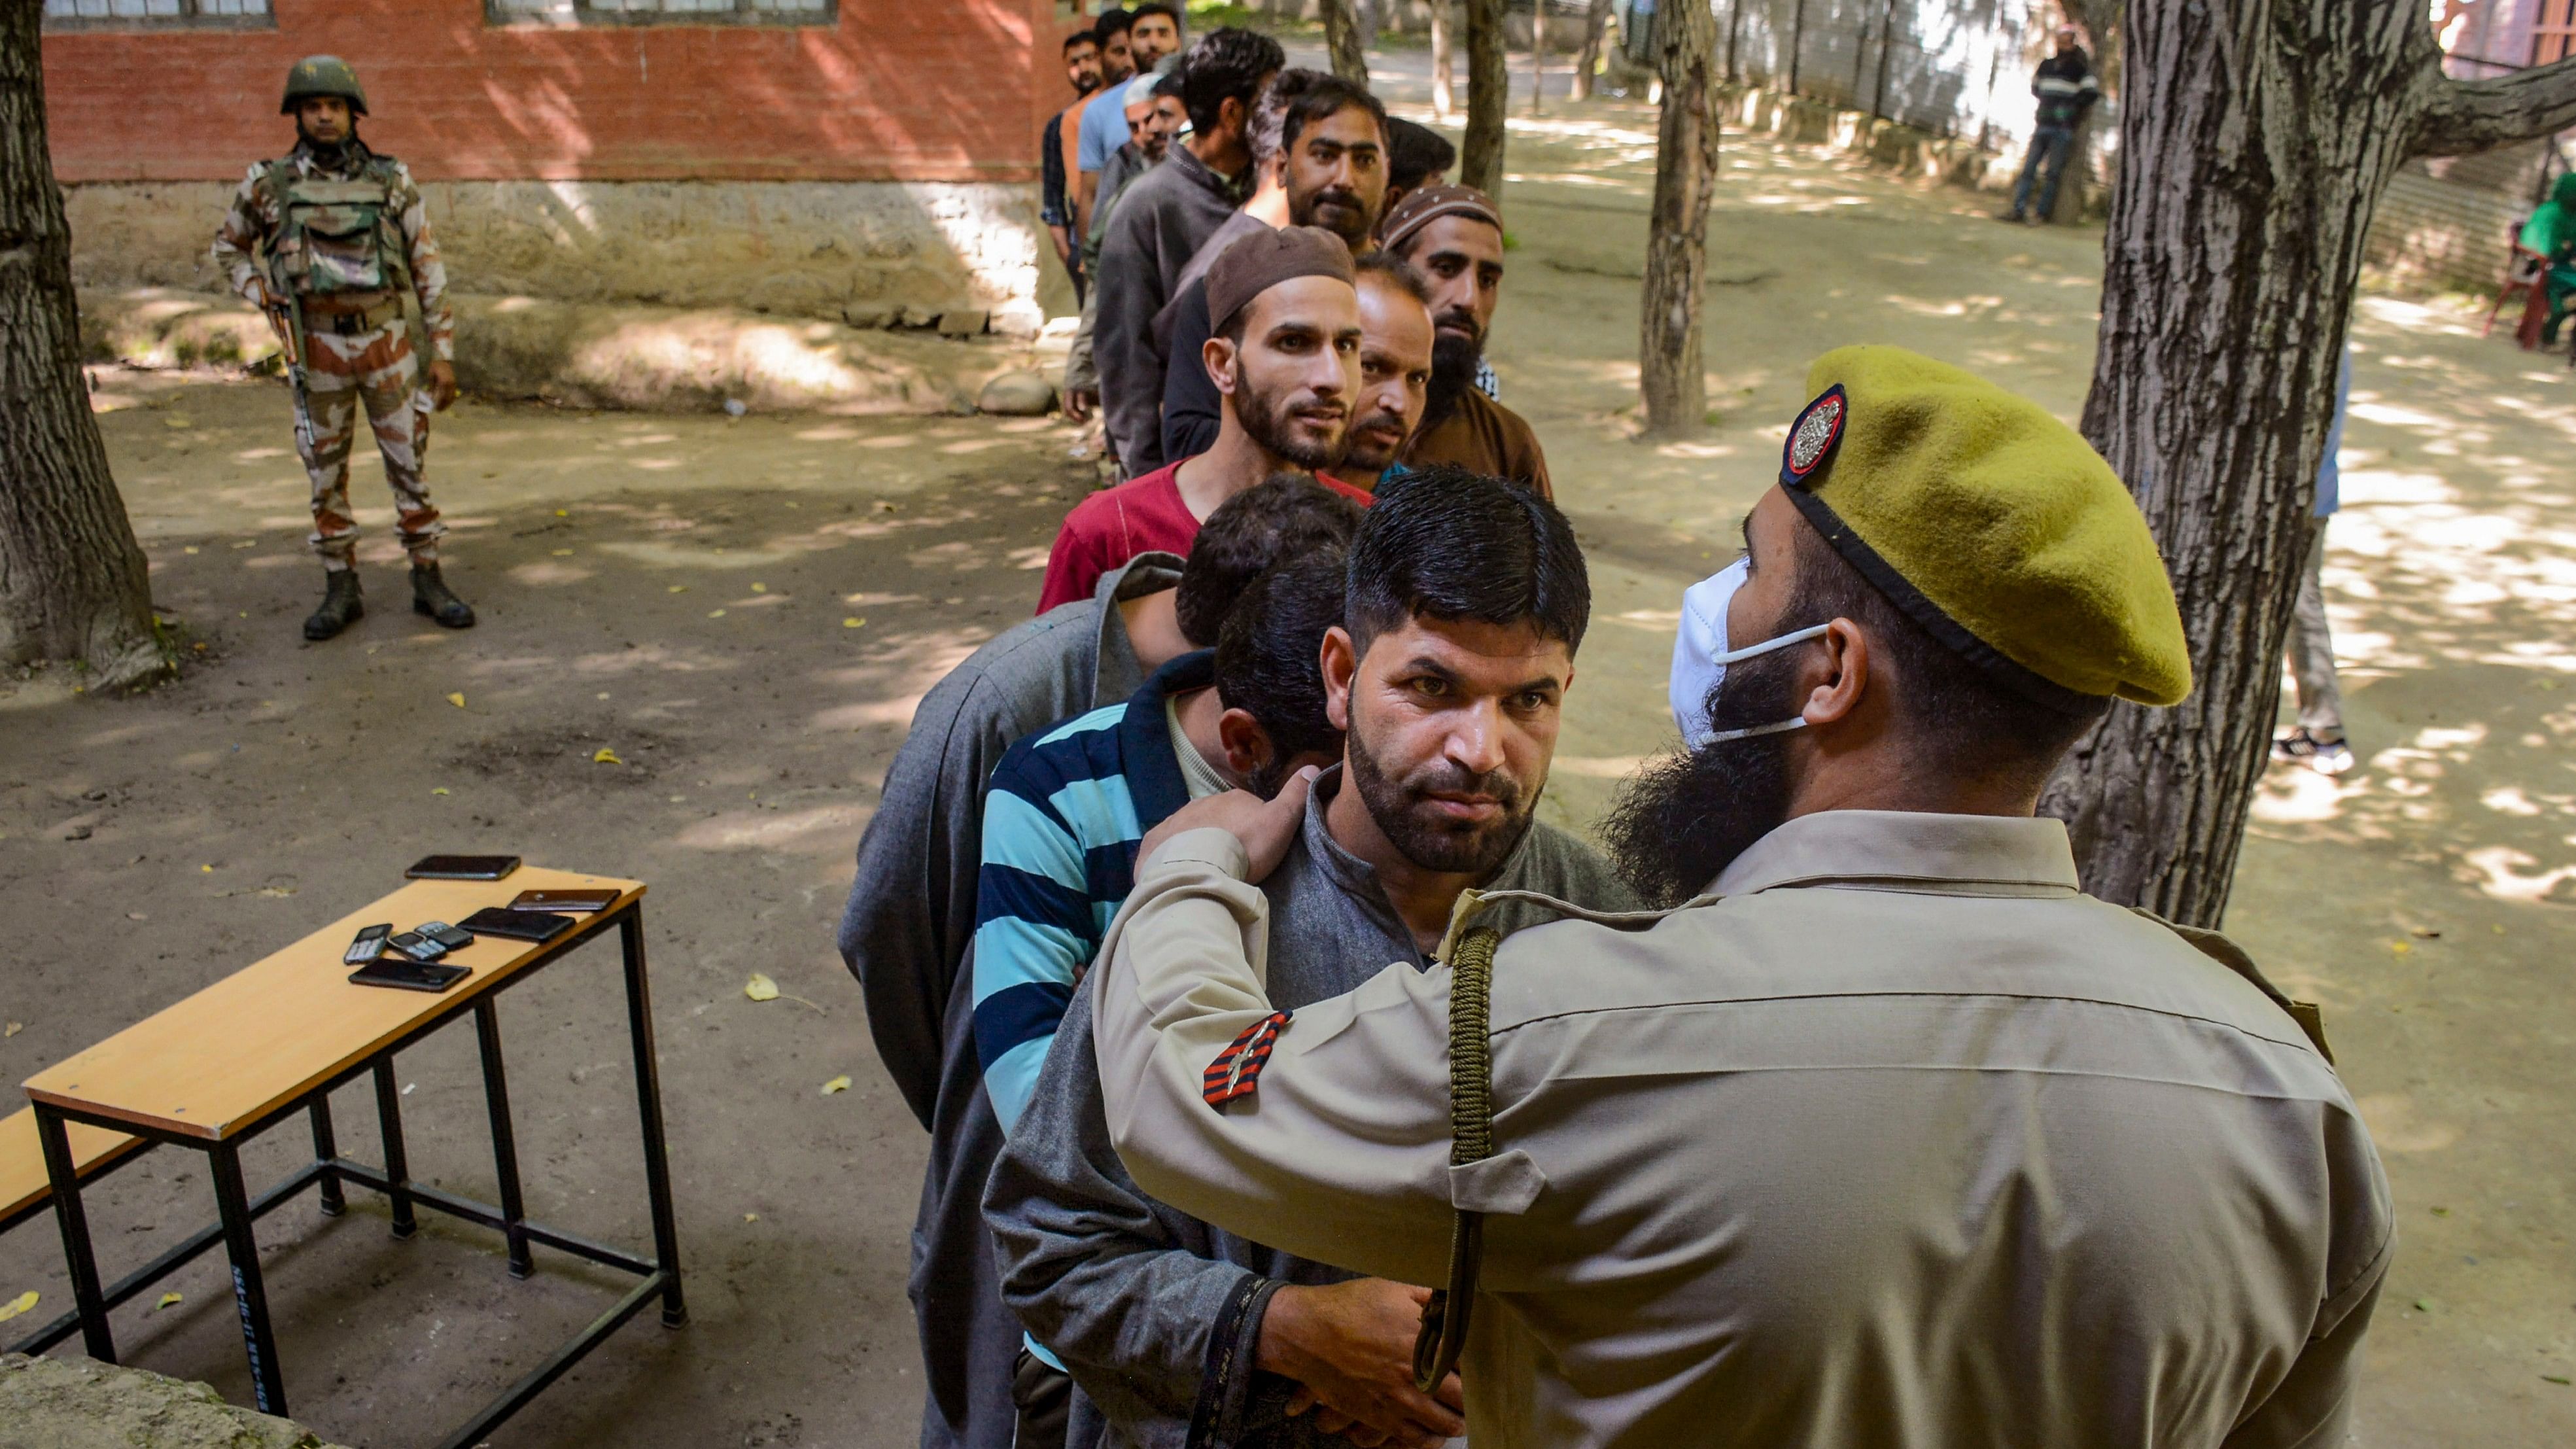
x=1595, y=21
x=1669, y=370
x=2256, y=139
x=1343, y=41
x=1444, y=104
x=1489, y=88
x=1538, y=56
x=73, y=584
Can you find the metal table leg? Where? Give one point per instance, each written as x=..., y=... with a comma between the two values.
x=250, y=1292
x=505, y=1146
x=648, y=1107
x=325, y=1148
x=87, y=1300
x=397, y=1165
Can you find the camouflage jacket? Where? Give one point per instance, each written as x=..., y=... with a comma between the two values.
x=241, y=244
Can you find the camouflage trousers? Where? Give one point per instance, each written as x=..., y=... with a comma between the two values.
x=376, y=370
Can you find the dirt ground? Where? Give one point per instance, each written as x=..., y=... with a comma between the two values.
x=745, y=611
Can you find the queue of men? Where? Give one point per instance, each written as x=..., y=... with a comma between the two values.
x=1292, y=1083
x=1221, y=140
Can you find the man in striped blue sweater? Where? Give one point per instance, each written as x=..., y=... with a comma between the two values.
x=1068, y=805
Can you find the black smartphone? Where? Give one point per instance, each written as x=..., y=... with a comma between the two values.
x=405, y=975
x=417, y=946
x=365, y=946
x=445, y=934
x=518, y=925
x=462, y=867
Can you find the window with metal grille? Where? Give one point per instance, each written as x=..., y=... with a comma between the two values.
x=662, y=12
x=126, y=14
x=2553, y=31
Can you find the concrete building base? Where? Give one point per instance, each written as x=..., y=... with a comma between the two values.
x=863, y=253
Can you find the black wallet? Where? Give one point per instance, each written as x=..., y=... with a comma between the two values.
x=517, y=925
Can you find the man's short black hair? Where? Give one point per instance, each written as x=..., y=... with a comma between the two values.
x=1414, y=153
x=1280, y=518
x=1081, y=37
x=1324, y=99
x=1157, y=7
x=1958, y=717
x=1226, y=64
x=1444, y=543
x=1397, y=270
x=1112, y=21
x=1270, y=113
x=1169, y=84
x=1268, y=659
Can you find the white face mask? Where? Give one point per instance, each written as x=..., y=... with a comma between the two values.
x=1700, y=657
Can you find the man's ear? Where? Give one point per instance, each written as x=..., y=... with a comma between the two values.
x=1340, y=661
x=1217, y=356
x=1230, y=115
x=1247, y=744
x=1845, y=678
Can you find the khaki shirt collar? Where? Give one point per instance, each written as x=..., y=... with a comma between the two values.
x=1952, y=854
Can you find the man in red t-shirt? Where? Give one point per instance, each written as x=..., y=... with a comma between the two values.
x=1285, y=355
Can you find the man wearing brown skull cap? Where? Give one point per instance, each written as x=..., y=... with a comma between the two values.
x=1286, y=358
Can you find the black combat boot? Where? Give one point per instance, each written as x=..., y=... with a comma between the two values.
x=430, y=595
x=341, y=606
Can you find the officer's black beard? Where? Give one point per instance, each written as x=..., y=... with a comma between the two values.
x=329, y=155
x=1691, y=813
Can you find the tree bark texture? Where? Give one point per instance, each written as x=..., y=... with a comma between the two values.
x=1596, y=21
x=1444, y=102
x=1669, y=370
x=1489, y=90
x=1538, y=57
x=73, y=584
x=2256, y=139
x=1342, y=39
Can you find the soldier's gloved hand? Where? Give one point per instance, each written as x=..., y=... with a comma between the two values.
x=442, y=384
x=1264, y=826
x=1350, y=1349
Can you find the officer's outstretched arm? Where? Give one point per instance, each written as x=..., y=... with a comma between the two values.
x=1339, y=1149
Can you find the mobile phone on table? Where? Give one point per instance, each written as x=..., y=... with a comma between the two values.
x=405, y=975
x=462, y=867
x=417, y=946
x=518, y=925
x=582, y=900
x=367, y=945
x=445, y=934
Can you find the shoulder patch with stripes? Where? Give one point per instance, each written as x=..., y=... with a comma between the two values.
x=1236, y=1072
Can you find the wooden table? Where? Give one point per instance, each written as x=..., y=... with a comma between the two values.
x=276, y=1038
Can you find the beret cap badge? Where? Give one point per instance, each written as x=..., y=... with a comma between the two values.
x=1813, y=436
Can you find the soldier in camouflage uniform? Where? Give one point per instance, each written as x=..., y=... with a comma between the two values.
x=327, y=240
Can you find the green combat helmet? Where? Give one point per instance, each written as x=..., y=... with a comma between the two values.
x=323, y=75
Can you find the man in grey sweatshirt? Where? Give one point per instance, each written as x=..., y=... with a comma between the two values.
x=1466, y=599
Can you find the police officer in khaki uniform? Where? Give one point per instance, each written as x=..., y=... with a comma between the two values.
x=1889, y=1135
x=332, y=240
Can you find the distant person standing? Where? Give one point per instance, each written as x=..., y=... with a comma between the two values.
x=1082, y=69
x=2066, y=90
x=2551, y=236
x=1153, y=32
x=1117, y=64
x=2318, y=741
x=332, y=240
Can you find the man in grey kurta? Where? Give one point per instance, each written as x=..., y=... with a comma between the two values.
x=1158, y=1314
x=910, y=918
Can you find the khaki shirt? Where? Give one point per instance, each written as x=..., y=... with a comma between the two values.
x=1903, y=1141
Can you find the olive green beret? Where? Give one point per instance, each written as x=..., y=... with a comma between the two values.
x=1991, y=523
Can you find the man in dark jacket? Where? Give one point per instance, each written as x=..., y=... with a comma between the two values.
x=2066, y=89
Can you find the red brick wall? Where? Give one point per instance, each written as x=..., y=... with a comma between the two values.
x=897, y=91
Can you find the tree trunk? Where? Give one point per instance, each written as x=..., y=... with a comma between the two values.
x=1342, y=39
x=1538, y=56
x=1444, y=102
x=2255, y=143
x=1596, y=22
x=1669, y=371
x=1489, y=89
x=73, y=584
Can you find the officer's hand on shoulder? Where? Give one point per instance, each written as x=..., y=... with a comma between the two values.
x=1264, y=826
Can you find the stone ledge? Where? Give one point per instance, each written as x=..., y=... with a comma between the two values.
x=78, y=1403
x=661, y=359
